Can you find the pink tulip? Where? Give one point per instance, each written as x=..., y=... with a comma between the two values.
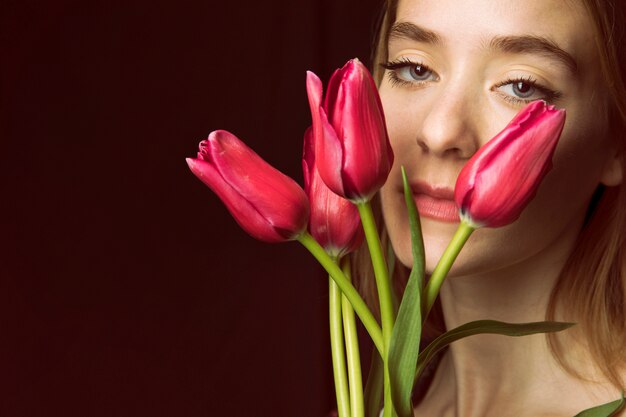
x=354, y=156
x=334, y=223
x=501, y=178
x=267, y=204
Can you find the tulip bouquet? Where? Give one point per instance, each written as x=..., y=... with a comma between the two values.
x=346, y=160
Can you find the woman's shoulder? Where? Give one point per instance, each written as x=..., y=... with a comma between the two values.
x=615, y=408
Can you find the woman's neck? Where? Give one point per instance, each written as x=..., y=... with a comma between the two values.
x=487, y=375
x=485, y=368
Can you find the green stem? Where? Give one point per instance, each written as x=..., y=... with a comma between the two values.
x=443, y=266
x=383, y=285
x=388, y=410
x=337, y=349
x=380, y=269
x=352, y=349
x=361, y=309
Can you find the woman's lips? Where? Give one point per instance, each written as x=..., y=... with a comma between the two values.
x=435, y=202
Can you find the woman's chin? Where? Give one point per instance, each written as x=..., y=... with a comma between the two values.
x=436, y=234
x=486, y=250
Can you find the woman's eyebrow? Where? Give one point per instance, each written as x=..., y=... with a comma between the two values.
x=412, y=32
x=534, y=44
x=509, y=43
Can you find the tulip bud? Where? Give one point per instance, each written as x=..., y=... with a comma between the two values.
x=334, y=222
x=266, y=203
x=351, y=143
x=501, y=178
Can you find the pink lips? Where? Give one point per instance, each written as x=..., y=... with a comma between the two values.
x=435, y=202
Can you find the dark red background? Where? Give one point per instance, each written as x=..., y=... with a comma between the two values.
x=125, y=287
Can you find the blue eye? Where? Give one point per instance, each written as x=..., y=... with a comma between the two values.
x=407, y=72
x=519, y=88
x=525, y=90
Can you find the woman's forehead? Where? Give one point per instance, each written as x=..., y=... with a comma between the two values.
x=564, y=22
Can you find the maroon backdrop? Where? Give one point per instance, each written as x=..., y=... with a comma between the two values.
x=125, y=287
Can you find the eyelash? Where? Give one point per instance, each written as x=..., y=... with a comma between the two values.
x=393, y=66
x=549, y=95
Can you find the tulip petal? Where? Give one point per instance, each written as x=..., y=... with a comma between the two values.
x=330, y=155
x=355, y=112
x=352, y=146
x=334, y=221
x=327, y=145
x=266, y=203
x=336, y=79
x=504, y=175
x=270, y=191
x=314, y=90
x=362, y=128
x=244, y=213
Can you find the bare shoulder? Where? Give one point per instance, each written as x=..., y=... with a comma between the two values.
x=607, y=394
x=615, y=406
x=585, y=396
x=620, y=413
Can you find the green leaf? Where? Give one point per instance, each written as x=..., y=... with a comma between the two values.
x=604, y=410
x=405, y=338
x=483, y=327
x=374, y=387
x=391, y=266
x=417, y=241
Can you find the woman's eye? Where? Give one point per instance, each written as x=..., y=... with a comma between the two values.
x=519, y=88
x=407, y=72
x=417, y=72
x=525, y=91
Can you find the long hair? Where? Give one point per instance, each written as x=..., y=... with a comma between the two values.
x=592, y=283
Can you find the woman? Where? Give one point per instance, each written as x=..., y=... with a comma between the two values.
x=451, y=74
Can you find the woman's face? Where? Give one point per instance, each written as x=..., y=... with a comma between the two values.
x=458, y=71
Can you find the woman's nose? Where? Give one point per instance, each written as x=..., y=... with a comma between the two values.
x=450, y=125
